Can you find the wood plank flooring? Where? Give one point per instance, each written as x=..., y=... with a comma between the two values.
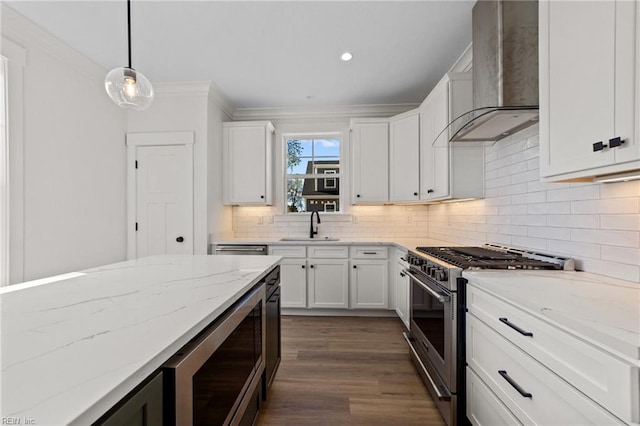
x=346, y=371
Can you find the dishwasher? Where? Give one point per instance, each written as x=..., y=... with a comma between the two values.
x=240, y=249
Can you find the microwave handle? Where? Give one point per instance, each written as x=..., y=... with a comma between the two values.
x=442, y=298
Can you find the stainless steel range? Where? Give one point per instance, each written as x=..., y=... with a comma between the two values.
x=436, y=337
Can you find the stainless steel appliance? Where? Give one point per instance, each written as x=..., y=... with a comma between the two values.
x=436, y=339
x=216, y=378
x=240, y=249
x=273, y=330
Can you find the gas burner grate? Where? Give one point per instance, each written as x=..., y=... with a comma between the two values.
x=486, y=258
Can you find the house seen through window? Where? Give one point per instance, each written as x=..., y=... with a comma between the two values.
x=313, y=174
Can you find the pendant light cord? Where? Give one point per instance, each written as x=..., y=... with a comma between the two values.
x=129, y=29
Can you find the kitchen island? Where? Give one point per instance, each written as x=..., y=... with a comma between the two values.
x=73, y=346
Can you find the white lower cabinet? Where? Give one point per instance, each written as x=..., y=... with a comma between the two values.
x=522, y=370
x=328, y=283
x=402, y=294
x=293, y=283
x=368, y=284
x=335, y=277
x=483, y=406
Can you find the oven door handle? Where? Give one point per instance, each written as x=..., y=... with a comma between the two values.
x=442, y=298
x=441, y=397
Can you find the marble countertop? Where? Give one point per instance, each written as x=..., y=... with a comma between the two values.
x=604, y=311
x=72, y=348
x=402, y=243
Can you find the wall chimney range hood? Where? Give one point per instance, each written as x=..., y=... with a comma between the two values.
x=505, y=71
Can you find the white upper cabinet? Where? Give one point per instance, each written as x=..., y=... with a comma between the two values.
x=370, y=144
x=404, y=158
x=247, y=152
x=588, y=88
x=448, y=170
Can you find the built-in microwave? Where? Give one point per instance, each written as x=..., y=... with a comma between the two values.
x=216, y=379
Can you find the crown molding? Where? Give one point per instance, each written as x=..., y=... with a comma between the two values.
x=465, y=62
x=182, y=88
x=322, y=112
x=28, y=35
x=217, y=96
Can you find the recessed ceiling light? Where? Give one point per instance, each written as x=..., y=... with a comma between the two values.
x=346, y=56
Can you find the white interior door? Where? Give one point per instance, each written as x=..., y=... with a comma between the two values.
x=164, y=200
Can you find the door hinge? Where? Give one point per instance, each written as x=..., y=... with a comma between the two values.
x=136, y=164
x=136, y=226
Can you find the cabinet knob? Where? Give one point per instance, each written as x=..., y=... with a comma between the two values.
x=354, y=267
x=615, y=142
x=358, y=196
x=415, y=194
x=262, y=197
x=402, y=275
x=599, y=146
x=180, y=239
x=302, y=266
x=430, y=191
x=311, y=266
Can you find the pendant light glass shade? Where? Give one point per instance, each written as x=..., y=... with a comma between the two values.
x=128, y=88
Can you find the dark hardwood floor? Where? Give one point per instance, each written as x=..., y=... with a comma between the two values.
x=346, y=370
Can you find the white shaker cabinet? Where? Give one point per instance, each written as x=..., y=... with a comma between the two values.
x=588, y=88
x=293, y=283
x=247, y=166
x=328, y=283
x=448, y=170
x=370, y=145
x=404, y=158
x=368, y=283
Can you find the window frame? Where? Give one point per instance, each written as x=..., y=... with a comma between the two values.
x=340, y=175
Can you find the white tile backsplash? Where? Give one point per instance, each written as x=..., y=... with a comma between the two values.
x=597, y=224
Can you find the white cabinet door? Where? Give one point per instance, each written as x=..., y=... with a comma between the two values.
x=483, y=406
x=370, y=144
x=328, y=281
x=293, y=283
x=402, y=294
x=404, y=166
x=247, y=150
x=586, y=86
x=369, y=284
x=448, y=170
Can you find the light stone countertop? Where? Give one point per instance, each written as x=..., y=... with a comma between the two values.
x=601, y=310
x=401, y=243
x=71, y=349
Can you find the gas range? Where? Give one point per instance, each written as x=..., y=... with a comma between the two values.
x=437, y=296
x=445, y=264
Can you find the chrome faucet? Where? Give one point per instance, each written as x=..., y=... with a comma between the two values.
x=311, y=231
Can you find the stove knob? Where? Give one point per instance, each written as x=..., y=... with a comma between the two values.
x=432, y=271
x=424, y=268
x=441, y=275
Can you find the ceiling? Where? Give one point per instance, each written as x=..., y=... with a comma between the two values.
x=272, y=53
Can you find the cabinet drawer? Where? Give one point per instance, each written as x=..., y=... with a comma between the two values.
x=483, y=406
x=364, y=252
x=529, y=390
x=329, y=252
x=607, y=380
x=288, y=251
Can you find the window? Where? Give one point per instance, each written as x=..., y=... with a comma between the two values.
x=308, y=162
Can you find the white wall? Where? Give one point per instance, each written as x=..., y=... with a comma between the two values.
x=67, y=160
x=597, y=224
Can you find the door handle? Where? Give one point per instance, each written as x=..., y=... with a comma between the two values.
x=180, y=239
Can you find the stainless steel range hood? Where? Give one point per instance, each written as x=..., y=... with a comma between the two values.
x=505, y=71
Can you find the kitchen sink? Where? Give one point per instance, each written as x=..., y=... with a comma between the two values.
x=310, y=240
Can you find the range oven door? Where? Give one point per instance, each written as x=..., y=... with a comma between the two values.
x=433, y=326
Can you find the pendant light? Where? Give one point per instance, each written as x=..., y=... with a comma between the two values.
x=127, y=87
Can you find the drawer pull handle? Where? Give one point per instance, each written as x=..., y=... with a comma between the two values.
x=516, y=328
x=512, y=382
x=370, y=252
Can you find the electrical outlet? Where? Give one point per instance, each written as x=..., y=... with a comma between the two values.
x=270, y=219
x=354, y=219
x=260, y=220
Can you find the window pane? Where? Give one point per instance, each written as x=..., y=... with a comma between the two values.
x=304, y=166
x=326, y=147
x=297, y=148
x=306, y=195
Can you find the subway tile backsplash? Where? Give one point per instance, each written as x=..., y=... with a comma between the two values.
x=597, y=224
